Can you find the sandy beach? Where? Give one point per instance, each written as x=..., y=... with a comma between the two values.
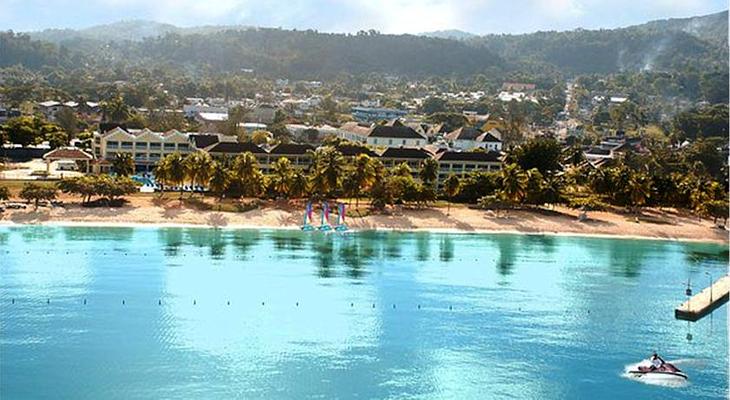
x=152, y=211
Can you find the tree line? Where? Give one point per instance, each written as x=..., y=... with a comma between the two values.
x=536, y=173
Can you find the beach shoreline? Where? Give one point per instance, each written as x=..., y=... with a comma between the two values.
x=144, y=213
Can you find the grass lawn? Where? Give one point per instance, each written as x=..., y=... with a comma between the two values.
x=16, y=185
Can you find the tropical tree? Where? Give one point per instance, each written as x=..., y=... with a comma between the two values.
x=429, y=172
x=198, y=168
x=639, y=190
x=220, y=178
x=283, y=177
x=326, y=170
x=514, y=183
x=204, y=165
x=4, y=193
x=247, y=173
x=171, y=169
x=260, y=136
x=36, y=193
x=363, y=175
x=115, y=110
x=123, y=164
x=451, y=189
x=299, y=185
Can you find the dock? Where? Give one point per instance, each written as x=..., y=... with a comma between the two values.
x=705, y=301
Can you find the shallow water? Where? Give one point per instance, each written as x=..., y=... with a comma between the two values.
x=202, y=313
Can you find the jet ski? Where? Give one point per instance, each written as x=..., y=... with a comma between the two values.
x=666, y=371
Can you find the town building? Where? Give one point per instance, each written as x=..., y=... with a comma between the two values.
x=370, y=114
x=468, y=138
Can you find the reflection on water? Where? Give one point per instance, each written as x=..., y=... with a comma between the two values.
x=446, y=248
x=275, y=314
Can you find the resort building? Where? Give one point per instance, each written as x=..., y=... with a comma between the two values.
x=393, y=157
x=461, y=163
x=232, y=149
x=298, y=154
x=145, y=146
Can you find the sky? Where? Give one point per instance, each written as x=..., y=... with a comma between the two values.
x=386, y=16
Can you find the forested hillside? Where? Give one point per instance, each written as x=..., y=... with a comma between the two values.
x=671, y=45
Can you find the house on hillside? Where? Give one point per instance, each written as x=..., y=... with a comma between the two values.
x=467, y=138
x=395, y=134
x=371, y=114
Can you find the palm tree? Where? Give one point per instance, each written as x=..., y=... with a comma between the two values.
x=514, y=183
x=205, y=168
x=123, y=164
x=429, y=171
x=197, y=168
x=452, y=184
x=299, y=185
x=115, y=109
x=172, y=169
x=283, y=176
x=327, y=168
x=402, y=169
x=639, y=190
x=247, y=172
x=220, y=178
x=162, y=174
x=363, y=175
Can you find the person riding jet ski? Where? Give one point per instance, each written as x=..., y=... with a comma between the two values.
x=656, y=362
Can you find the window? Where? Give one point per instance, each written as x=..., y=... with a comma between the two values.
x=140, y=145
x=112, y=145
x=404, y=142
x=154, y=156
x=390, y=141
x=127, y=145
x=182, y=146
x=155, y=146
x=170, y=146
x=375, y=141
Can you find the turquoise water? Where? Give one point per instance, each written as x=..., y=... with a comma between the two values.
x=123, y=313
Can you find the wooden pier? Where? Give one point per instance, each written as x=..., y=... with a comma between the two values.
x=705, y=301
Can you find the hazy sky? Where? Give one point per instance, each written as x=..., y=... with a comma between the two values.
x=388, y=16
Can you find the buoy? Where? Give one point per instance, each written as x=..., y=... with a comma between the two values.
x=689, y=337
x=194, y=302
x=351, y=304
x=393, y=306
x=419, y=306
x=373, y=305
x=159, y=302
x=48, y=301
x=228, y=303
x=122, y=301
x=262, y=303
x=84, y=301
x=297, y=304
x=12, y=301
x=450, y=308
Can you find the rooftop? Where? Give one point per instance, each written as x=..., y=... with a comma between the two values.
x=291, y=148
x=405, y=152
x=475, y=156
x=236, y=148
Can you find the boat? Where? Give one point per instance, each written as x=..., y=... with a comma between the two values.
x=666, y=371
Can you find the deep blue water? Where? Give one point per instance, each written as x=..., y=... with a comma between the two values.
x=202, y=313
